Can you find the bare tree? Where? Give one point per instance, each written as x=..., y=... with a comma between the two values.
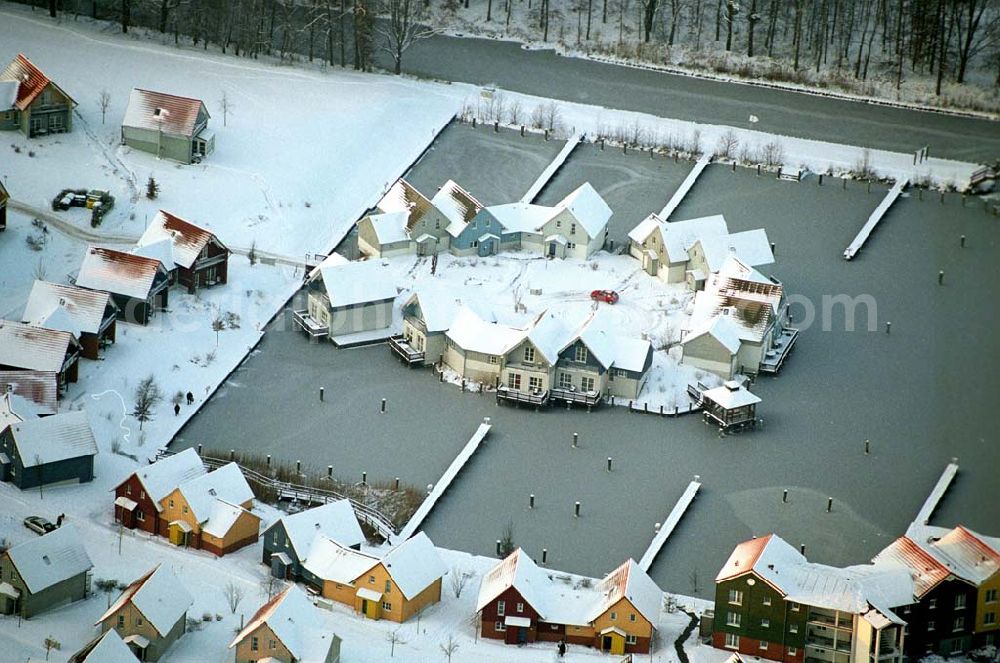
x=449, y=647
x=226, y=106
x=459, y=579
x=234, y=594
x=402, y=28
x=507, y=545
x=515, y=112
x=51, y=643
x=394, y=639
x=108, y=586
x=728, y=142
x=147, y=397
x=104, y=103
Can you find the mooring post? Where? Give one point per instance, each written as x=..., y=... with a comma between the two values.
x=844, y=182
x=546, y=134
x=961, y=242
x=773, y=246
x=268, y=460
x=329, y=472
x=624, y=148
x=496, y=127
x=802, y=549
x=609, y=463
x=888, y=327
x=545, y=555
x=784, y=496
x=473, y=122
x=321, y=394
x=867, y=447
x=758, y=170
x=576, y=438
x=498, y=547
x=531, y=501
x=298, y=467
x=383, y=406
x=821, y=179
x=829, y=504
x=941, y=277
x=232, y=454
x=522, y=131
x=199, y=449
x=396, y=484
x=576, y=510
x=779, y=173
x=364, y=478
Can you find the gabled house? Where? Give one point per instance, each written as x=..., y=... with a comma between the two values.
x=28, y=348
x=404, y=221
x=138, y=285
x=347, y=301
x=4, y=197
x=459, y=208
x=941, y=618
x=395, y=587
x=475, y=348
x=427, y=316
x=212, y=512
x=287, y=542
x=578, y=226
x=138, y=497
x=49, y=450
x=506, y=227
x=772, y=603
x=284, y=630
x=520, y=603
x=89, y=315
x=529, y=366
x=150, y=614
x=169, y=126
x=105, y=648
x=195, y=257
x=44, y=573
x=38, y=389
x=31, y=103
x=757, y=311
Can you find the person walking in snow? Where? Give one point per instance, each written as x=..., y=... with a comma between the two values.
x=562, y=648
x=190, y=398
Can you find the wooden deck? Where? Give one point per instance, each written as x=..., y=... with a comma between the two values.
x=526, y=397
x=588, y=399
x=400, y=347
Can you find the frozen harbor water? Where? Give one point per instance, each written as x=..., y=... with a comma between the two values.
x=921, y=395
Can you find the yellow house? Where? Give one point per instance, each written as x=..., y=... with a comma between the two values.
x=628, y=611
x=281, y=631
x=150, y=614
x=395, y=587
x=211, y=511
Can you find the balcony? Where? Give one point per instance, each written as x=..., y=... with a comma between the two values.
x=830, y=621
x=309, y=325
x=820, y=642
x=775, y=357
x=401, y=347
x=536, y=398
x=588, y=398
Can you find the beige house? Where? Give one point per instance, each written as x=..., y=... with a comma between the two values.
x=285, y=630
x=475, y=348
x=348, y=301
x=577, y=228
x=427, y=316
x=150, y=614
x=404, y=221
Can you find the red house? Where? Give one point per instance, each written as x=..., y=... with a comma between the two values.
x=195, y=257
x=137, y=498
x=510, y=601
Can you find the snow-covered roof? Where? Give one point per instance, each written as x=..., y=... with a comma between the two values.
x=158, y=595
x=722, y=329
x=85, y=308
x=855, y=589
x=967, y=554
x=159, y=111
x=105, y=648
x=226, y=483
x=335, y=520
x=645, y=228
x=457, y=205
x=520, y=217
x=631, y=354
x=751, y=301
x=731, y=395
x=8, y=413
x=414, y=565
x=162, y=477
x=8, y=94
x=550, y=336
x=355, y=283
x=160, y=249
x=925, y=569
x=519, y=571
x=438, y=307
x=403, y=197
x=34, y=348
x=588, y=208
x=390, y=227
x=47, y=560
x=222, y=518
x=328, y=560
x=184, y=239
x=473, y=334
x=117, y=272
x=30, y=82
x=37, y=389
x=630, y=582
x=611, y=349
x=750, y=246
x=51, y=439
x=678, y=236
x=290, y=617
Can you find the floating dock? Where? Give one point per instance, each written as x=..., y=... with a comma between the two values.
x=668, y=527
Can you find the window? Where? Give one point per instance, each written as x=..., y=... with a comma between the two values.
x=138, y=621
x=475, y=243
x=565, y=381
x=514, y=380
x=371, y=580
x=793, y=628
x=734, y=619
x=735, y=597
x=767, y=600
x=499, y=627
x=990, y=618
x=631, y=617
x=572, y=229
x=184, y=509
x=520, y=607
x=121, y=619
x=171, y=504
x=792, y=651
x=529, y=354
x=140, y=516
x=580, y=353
x=501, y=608
x=142, y=494
x=956, y=646
x=763, y=644
x=272, y=644
x=128, y=489
x=570, y=245
x=558, y=223
x=958, y=624
x=959, y=601
x=587, y=384
x=630, y=639
x=386, y=606
x=437, y=225
x=254, y=644
x=732, y=641
x=388, y=586
x=932, y=604
x=795, y=606
x=614, y=616
x=991, y=596
x=930, y=625
x=765, y=623
x=494, y=359
x=535, y=384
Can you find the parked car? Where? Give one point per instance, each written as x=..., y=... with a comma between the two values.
x=606, y=296
x=39, y=525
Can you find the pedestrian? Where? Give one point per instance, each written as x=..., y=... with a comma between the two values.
x=562, y=648
x=177, y=409
x=190, y=398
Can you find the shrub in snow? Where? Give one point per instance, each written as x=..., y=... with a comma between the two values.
x=35, y=241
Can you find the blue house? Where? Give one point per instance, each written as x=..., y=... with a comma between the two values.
x=49, y=450
x=288, y=541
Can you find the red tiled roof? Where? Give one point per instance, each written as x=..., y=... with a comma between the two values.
x=39, y=387
x=927, y=572
x=188, y=239
x=32, y=80
x=161, y=111
x=743, y=558
x=117, y=272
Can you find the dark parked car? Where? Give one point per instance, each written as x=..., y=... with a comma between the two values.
x=39, y=525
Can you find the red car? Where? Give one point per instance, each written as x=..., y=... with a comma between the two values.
x=606, y=296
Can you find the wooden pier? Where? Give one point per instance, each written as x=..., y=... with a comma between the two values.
x=682, y=190
x=551, y=169
x=667, y=528
x=932, y=501
x=876, y=216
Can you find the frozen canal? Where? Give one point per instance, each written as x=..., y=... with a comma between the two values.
x=921, y=395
